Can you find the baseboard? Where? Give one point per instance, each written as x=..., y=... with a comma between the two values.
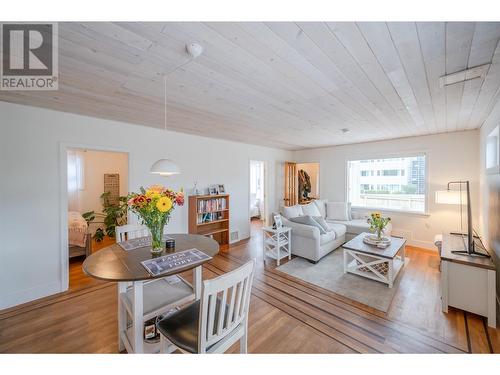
x=423, y=244
x=30, y=294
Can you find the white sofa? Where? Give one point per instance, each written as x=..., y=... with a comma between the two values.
x=309, y=243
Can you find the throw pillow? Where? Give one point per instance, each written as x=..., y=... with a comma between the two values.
x=310, y=209
x=321, y=221
x=308, y=220
x=292, y=211
x=337, y=211
x=321, y=204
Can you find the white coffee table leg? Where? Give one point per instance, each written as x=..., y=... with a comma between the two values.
x=346, y=257
x=390, y=274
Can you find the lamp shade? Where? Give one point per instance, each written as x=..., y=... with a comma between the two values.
x=165, y=167
x=450, y=197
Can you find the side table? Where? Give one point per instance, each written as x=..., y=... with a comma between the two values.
x=277, y=243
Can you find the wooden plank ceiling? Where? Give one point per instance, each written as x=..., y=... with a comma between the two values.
x=287, y=85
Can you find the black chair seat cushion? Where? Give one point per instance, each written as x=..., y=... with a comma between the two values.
x=181, y=328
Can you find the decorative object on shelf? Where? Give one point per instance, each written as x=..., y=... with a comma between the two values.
x=154, y=206
x=278, y=223
x=195, y=189
x=221, y=189
x=213, y=190
x=378, y=223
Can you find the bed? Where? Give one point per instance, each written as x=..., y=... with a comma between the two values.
x=79, y=238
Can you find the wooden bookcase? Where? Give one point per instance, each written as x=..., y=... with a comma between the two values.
x=209, y=216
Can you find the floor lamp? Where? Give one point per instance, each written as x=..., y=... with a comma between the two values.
x=457, y=197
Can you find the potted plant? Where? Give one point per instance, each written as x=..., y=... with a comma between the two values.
x=378, y=224
x=154, y=207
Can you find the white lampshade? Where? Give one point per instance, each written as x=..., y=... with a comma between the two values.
x=165, y=167
x=450, y=197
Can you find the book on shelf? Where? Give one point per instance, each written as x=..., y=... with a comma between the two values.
x=210, y=205
x=208, y=217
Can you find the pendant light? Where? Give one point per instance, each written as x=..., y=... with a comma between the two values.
x=167, y=167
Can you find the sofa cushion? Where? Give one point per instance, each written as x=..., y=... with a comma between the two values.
x=292, y=211
x=327, y=237
x=321, y=204
x=323, y=223
x=308, y=220
x=339, y=229
x=358, y=226
x=310, y=209
x=337, y=211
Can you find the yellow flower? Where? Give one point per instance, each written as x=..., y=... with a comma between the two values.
x=152, y=194
x=164, y=204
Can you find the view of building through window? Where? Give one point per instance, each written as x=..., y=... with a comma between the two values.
x=392, y=184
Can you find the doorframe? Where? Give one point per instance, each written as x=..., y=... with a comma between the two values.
x=266, y=193
x=63, y=200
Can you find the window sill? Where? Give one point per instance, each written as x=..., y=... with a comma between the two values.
x=401, y=212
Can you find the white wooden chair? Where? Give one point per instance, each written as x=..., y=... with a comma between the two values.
x=130, y=231
x=143, y=300
x=217, y=321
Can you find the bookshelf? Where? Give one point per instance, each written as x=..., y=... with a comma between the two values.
x=209, y=216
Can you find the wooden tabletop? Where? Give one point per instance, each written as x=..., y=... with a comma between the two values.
x=452, y=243
x=357, y=244
x=115, y=264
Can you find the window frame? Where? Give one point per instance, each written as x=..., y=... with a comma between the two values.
x=403, y=154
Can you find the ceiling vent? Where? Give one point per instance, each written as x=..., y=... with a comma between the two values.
x=464, y=75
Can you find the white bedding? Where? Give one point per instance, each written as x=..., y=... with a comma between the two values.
x=77, y=229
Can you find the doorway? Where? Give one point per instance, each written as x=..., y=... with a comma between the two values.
x=308, y=182
x=95, y=181
x=301, y=183
x=257, y=198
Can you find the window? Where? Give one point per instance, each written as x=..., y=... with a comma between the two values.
x=399, y=184
x=390, y=172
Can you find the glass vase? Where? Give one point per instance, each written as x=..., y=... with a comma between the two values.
x=380, y=232
x=156, y=239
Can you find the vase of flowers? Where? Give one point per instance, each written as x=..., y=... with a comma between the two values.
x=378, y=224
x=154, y=207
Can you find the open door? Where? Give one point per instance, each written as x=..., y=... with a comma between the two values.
x=291, y=182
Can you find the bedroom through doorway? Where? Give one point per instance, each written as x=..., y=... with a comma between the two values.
x=257, y=199
x=97, y=182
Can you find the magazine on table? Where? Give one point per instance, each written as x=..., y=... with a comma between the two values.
x=137, y=243
x=172, y=262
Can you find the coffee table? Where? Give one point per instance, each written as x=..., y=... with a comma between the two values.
x=372, y=262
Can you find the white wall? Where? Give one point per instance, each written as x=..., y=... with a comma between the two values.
x=450, y=157
x=490, y=196
x=98, y=163
x=31, y=184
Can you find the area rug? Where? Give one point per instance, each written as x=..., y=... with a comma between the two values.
x=328, y=273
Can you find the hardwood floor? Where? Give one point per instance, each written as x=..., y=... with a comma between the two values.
x=286, y=315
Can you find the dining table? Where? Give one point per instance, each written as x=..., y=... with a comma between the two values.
x=143, y=296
